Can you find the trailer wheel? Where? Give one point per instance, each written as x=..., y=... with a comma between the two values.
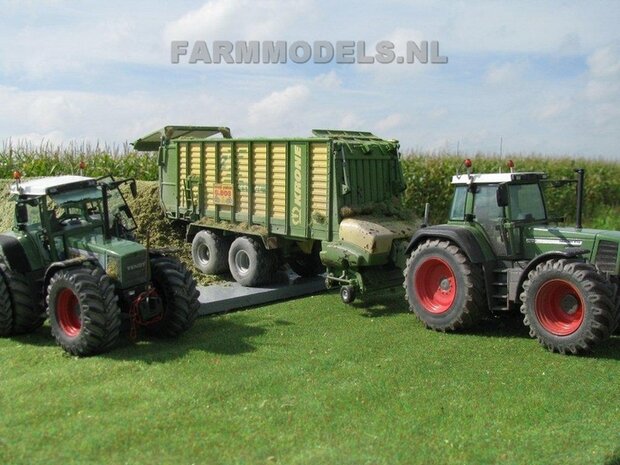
x=83, y=310
x=176, y=287
x=444, y=289
x=568, y=305
x=26, y=303
x=249, y=262
x=210, y=252
x=347, y=294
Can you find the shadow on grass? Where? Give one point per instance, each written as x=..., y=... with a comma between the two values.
x=386, y=303
x=42, y=337
x=216, y=336
x=613, y=458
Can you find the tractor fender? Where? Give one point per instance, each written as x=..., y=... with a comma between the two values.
x=72, y=262
x=462, y=237
x=515, y=285
x=14, y=252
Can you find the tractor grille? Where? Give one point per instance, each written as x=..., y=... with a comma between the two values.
x=607, y=256
x=134, y=269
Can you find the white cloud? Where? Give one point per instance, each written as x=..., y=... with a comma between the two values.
x=328, y=80
x=505, y=72
x=278, y=108
x=390, y=122
x=553, y=109
x=239, y=20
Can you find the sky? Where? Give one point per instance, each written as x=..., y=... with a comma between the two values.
x=541, y=77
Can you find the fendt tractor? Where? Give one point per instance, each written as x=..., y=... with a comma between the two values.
x=500, y=250
x=250, y=205
x=72, y=256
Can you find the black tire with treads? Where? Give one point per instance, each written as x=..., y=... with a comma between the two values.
x=6, y=310
x=177, y=289
x=250, y=263
x=83, y=309
x=568, y=305
x=444, y=289
x=26, y=302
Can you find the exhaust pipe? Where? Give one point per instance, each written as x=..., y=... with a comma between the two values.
x=580, y=186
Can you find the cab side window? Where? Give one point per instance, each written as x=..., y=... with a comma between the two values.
x=485, y=204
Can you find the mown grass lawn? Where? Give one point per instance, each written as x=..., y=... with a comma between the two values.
x=312, y=381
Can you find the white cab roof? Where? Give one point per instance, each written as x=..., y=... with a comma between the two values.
x=40, y=186
x=496, y=178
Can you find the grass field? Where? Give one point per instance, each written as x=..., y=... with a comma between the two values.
x=312, y=381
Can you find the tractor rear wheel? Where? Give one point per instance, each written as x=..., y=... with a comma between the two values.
x=6, y=310
x=210, y=252
x=26, y=306
x=250, y=263
x=568, y=305
x=444, y=289
x=176, y=287
x=83, y=310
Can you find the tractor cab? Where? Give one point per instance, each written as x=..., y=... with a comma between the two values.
x=58, y=210
x=500, y=205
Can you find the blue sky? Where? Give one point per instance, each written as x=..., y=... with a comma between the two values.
x=543, y=76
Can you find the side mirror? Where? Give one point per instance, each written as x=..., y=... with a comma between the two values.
x=133, y=188
x=21, y=213
x=502, y=195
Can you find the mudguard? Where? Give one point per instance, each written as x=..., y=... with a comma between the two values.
x=462, y=237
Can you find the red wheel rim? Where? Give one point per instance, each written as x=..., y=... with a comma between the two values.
x=559, y=307
x=68, y=312
x=435, y=285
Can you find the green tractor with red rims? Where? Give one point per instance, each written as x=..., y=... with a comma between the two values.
x=71, y=256
x=500, y=250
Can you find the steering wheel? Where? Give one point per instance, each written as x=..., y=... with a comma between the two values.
x=66, y=219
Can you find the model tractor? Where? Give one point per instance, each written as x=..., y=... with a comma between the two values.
x=501, y=250
x=71, y=256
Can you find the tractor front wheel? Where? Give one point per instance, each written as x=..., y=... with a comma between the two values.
x=176, y=287
x=444, y=289
x=83, y=310
x=568, y=305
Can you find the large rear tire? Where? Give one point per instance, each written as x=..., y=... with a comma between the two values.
x=28, y=314
x=6, y=310
x=83, y=310
x=210, y=252
x=250, y=263
x=568, y=305
x=177, y=289
x=444, y=289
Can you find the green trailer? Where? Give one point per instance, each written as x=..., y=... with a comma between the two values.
x=328, y=201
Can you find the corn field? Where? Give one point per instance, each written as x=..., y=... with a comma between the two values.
x=427, y=175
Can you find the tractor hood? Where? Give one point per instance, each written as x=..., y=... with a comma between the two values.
x=124, y=261
x=603, y=246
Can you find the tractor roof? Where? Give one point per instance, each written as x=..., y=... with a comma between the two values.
x=52, y=185
x=497, y=178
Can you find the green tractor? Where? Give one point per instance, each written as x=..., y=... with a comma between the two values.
x=501, y=250
x=72, y=257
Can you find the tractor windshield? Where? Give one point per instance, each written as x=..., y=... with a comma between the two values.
x=119, y=213
x=526, y=202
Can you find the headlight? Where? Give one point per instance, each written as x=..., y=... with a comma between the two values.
x=112, y=267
